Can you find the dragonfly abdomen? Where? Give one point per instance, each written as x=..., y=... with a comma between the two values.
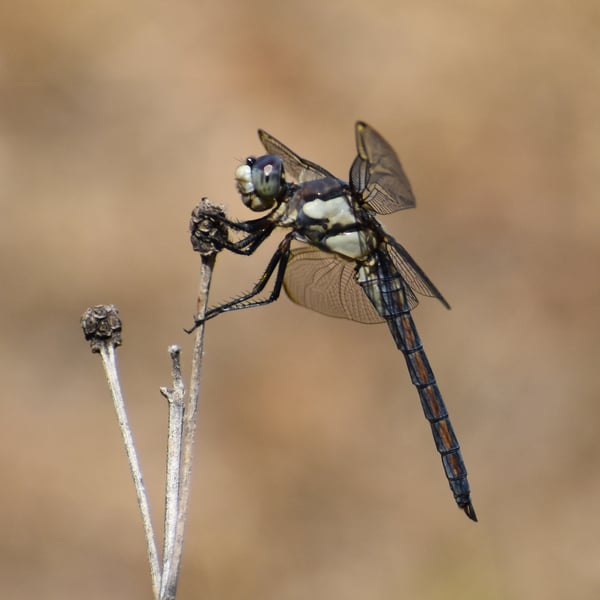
x=446, y=443
x=390, y=300
x=407, y=339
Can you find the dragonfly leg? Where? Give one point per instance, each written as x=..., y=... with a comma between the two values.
x=278, y=262
x=250, y=243
x=210, y=231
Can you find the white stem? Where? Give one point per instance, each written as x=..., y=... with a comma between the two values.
x=189, y=429
x=175, y=397
x=109, y=362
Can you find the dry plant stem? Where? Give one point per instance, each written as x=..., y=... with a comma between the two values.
x=169, y=586
x=107, y=353
x=175, y=397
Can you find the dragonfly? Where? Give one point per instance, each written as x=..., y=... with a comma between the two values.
x=337, y=259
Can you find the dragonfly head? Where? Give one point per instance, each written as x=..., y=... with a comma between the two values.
x=260, y=181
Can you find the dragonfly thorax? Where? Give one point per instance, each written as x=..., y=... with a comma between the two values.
x=322, y=213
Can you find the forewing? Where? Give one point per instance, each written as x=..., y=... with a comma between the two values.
x=377, y=174
x=326, y=284
x=411, y=272
x=296, y=168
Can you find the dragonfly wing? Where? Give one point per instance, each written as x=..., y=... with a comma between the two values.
x=377, y=174
x=412, y=274
x=326, y=283
x=297, y=168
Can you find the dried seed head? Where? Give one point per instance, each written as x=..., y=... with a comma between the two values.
x=102, y=326
x=209, y=233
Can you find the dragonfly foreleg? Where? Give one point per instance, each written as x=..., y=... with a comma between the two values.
x=211, y=230
x=248, y=245
x=258, y=231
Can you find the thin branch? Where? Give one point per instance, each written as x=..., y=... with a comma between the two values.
x=175, y=396
x=102, y=327
x=189, y=432
x=207, y=237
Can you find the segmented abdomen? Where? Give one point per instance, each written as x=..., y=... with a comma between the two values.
x=388, y=294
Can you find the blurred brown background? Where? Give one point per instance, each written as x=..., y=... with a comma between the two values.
x=316, y=475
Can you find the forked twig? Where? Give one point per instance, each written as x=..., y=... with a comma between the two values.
x=206, y=235
x=102, y=328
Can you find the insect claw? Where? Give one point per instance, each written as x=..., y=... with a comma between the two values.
x=195, y=326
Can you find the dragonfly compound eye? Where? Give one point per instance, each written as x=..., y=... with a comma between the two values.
x=267, y=179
